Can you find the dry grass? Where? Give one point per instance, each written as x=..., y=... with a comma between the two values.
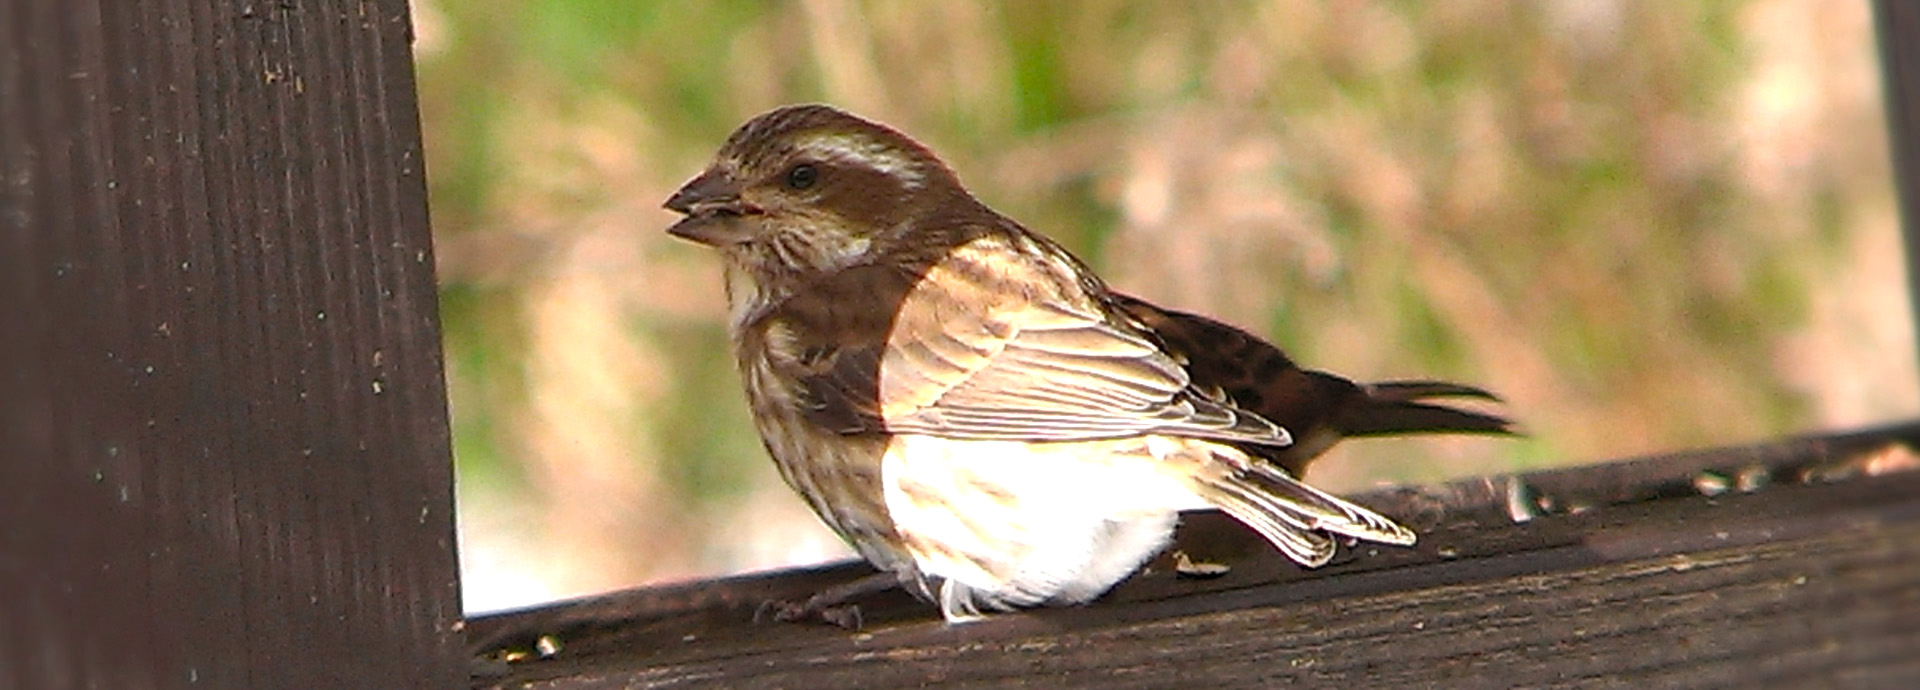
x=1651, y=225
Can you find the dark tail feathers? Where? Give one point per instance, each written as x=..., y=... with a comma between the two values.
x=1402, y=407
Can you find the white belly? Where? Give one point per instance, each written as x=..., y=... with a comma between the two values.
x=1008, y=523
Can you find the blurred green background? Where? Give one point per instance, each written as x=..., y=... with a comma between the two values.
x=1649, y=225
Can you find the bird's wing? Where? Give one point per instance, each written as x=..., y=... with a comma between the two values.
x=1243, y=368
x=1047, y=371
x=980, y=348
x=1319, y=408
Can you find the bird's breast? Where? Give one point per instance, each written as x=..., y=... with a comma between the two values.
x=838, y=475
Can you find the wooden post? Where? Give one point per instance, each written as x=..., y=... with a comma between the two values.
x=1897, y=22
x=223, y=437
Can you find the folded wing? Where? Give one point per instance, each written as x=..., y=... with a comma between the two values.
x=977, y=348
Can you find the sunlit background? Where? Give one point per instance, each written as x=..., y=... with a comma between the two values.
x=1649, y=225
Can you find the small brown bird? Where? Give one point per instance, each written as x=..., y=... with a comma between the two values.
x=973, y=410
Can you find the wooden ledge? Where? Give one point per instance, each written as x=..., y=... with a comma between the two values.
x=1791, y=562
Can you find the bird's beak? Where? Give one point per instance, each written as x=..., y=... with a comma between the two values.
x=714, y=210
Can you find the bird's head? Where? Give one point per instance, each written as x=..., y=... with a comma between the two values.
x=809, y=188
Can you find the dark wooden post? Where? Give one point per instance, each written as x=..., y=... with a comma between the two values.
x=1898, y=24
x=223, y=438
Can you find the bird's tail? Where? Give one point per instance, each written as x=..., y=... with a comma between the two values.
x=1297, y=519
x=1405, y=407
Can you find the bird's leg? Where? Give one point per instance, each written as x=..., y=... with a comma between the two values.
x=957, y=605
x=831, y=605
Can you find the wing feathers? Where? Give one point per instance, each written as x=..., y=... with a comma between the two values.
x=976, y=346
x=1285, y=532
x=1044, y=367
x=1326, y=511
x=1297, y=518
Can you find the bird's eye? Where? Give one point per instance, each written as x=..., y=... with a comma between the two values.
x=802, y=176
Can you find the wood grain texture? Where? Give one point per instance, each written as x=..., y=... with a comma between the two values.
x=1785, y=564
x=225, y=425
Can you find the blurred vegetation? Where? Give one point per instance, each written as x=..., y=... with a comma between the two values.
x=1649, y=225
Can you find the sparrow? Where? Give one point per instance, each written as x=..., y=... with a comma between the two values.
x=978, y=414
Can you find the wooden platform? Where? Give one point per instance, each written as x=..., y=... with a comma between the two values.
x=1787, y=564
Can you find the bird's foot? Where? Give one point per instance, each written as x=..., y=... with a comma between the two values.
x=843, y=616
x=831, y=606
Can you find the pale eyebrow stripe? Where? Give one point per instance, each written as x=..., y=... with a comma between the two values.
x=867, y=152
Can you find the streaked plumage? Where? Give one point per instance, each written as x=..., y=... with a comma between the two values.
x=974, y=410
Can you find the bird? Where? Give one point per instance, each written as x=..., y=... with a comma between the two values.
x=978, y=414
